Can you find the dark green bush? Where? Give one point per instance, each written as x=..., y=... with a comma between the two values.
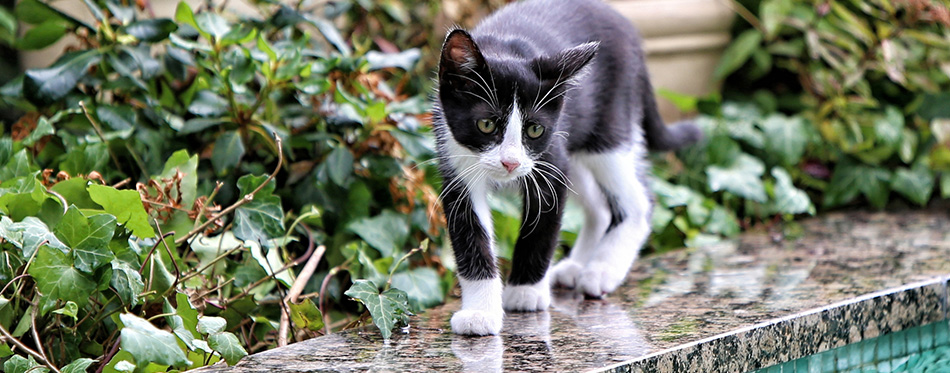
x=167, y=179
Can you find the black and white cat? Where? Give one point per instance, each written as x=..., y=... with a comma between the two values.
x=550, y=97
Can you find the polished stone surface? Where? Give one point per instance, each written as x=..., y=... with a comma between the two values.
x=745, y=304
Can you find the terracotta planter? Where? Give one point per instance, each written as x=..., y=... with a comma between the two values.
x=683, y=40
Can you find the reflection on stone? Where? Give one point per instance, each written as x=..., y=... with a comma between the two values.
x=479, y=354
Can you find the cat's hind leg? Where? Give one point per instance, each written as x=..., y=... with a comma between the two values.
x=604, y=265
x=596, y=219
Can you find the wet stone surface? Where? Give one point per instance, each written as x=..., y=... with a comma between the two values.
x=735, y=306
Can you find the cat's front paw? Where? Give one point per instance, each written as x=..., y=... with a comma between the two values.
x=527, y=298
x=599, y=278
x=566, y=273
x=477, y=322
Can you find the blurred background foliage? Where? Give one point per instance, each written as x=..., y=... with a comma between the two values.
x=177, y=190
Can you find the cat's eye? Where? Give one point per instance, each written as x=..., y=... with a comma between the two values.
x=486, y=125
x=535, y=130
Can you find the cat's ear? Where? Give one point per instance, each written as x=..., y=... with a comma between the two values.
x=565, y=64
x=460, y=55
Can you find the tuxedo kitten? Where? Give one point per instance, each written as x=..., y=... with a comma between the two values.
x=550, y=97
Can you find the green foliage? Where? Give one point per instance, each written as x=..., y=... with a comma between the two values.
x=167, y=175
x=740, y=174
x=866, y=84
x=388, y=308
x=868, y=79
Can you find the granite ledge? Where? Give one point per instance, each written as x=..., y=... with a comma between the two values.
x=806, y=333
x=761, y=299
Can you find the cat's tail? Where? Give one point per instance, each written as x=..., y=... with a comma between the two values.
x=662, y=137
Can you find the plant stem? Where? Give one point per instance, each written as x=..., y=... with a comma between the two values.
x=747, y=15
x=211, y=263
x=36, y=338
x=20, y=345
x=201, y=211
x=247, y=197
x=95, y=126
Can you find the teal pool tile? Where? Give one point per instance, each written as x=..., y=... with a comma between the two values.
x=841, y=358
x=927, y=336
x=855, y=358
x=883, y=348
x=942, y=334
x=912, y=336
x=823, y=362
x=801, y=366
x=868, y=349
x=898, y=345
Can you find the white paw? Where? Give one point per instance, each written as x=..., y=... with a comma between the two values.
x=598, y=278
x=477, y=322
x=527, y=298
x=566, y=273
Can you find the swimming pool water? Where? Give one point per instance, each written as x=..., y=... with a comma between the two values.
x=923, y=349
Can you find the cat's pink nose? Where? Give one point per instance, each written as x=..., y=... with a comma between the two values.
x=510, y=165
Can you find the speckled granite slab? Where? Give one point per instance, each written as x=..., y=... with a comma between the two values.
x=741, y=305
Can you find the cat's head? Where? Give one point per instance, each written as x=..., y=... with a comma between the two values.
x=503, y=111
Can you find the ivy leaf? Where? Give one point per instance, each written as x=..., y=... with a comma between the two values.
x=340, y=165
x=126, y=206
x=421, y=286
x=43, y=129
x=722, y=221
x=78, y=366
x=46, y=86
x=785, y=137
x=149, y=344
x=180, y=161
x=387, y=308
x=211, y=324
x=22, y=197
x=18, y=166
x=213, y=24
x=743, y=178
x=228, y=151
x=227, y=344
x=88, y=237
x=788, y=198
x=261, y=219
x=119, y=118
x=184, y=14
x=208, y=104
x=332, y=35
x=875, y=185
x=386, y=232
x=306, y=315
x=42, y=35
x=151, y=30
x=35, y=12
x=20, y=364
x=271, y=262
x=75, y=192
x=57, y=278
x=916, y=183
x=127, y=282
x=71, y=309
x=738, y=53
x=183, y=321
x=29, y=234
